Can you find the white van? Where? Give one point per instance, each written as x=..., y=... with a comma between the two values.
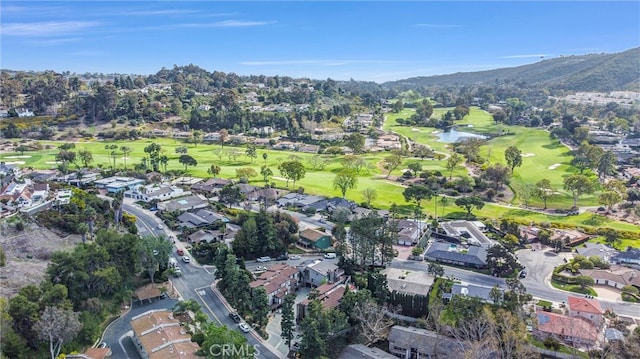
x=172, y=262
x=329, y=255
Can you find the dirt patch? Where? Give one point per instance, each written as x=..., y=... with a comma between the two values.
x=28, y=253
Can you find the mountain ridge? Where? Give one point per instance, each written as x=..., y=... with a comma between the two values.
x=594, y=72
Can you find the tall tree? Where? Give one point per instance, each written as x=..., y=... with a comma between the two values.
x=470, y=203
x=113, y=152
x=214, y=170
x=266, y=173
x=578, y=185
x=606, y=165
x=260, y=307
x=417, y=192
x=292, y=170
x=224, y=135
x=513, y=156
x=252, y=152
x=345, y=180
x=544, y=191
x=57, y=326
x=287, y=323
x=392, y=162
x=126, y=151
x=86, y=157
x=369, y=195
x=452, y=162
x=187, y=160
x=154, y=251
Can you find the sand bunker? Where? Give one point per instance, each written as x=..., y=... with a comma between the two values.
x=415, y=129
x=53, y=162
x=22, y=156
x=554, y=166
x=436, y=131
x=528, y=154
x=15, y=163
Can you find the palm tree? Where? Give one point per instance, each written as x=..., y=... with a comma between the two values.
x=126, y=150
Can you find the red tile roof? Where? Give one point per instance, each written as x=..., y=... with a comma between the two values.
x=563, y=325
x=585, y=305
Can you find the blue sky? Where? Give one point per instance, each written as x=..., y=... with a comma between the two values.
x=375, y=41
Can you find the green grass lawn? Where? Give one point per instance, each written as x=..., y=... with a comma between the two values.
x=321, y=181
x=544, y=157
x=573, y=288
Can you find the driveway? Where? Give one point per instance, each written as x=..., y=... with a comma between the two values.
x=116, y=333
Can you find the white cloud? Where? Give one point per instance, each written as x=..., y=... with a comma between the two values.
x=53, y=42
x=49, y=28
x=160, y=12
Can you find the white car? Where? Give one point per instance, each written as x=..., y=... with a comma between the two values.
x=294, y=257
x=244, y=327
x=263, y=259
x=186, y=259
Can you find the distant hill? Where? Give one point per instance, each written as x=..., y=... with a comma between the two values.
x=597, y=72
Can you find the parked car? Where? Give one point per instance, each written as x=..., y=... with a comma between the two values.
x=329, y=255
x=102, y=345
x=264, y=259
x=235, y=317
x=295, y=256
x=159, y=226
x=282, y=257
x=244, y=327
x=186, y=259
x=177, y=272
x=180, y=251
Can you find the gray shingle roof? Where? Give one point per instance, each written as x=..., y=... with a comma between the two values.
x=443, y=251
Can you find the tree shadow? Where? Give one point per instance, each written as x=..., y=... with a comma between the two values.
x=594, y=220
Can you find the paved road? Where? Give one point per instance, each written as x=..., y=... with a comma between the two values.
x=195, y=283
x=536, y=282
x=121, y=326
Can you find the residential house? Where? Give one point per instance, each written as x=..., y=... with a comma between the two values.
x=211, y=137
x=469, y=232
x=472, y=256
x=631, y=172
x=409, y=232
x=210, y=186
x=329, y=295
x=217, y=235
x=182, y=204
x=569, y=237
x=630, y=256
x=63, y=197
x=411, y=342
x=588, y=309
x=616, y=276
x=294, y=199
x=24, y=112
x=155, y=192
x=264, y=195
x=313, y=238
x=246, y=189
x=613, y=335
x=278, y=281
x=200, y=218
x=573, y=330
x=157, y=334
x=415, y=284
x=471, y=290
x=285, y=145
x=320, y=272
x=596, y=250
x=4, y=113
x=305, y=148
x=529, y=233
x=8, y=169
x=361, y=351
x=117, y=184
x=409, y=282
